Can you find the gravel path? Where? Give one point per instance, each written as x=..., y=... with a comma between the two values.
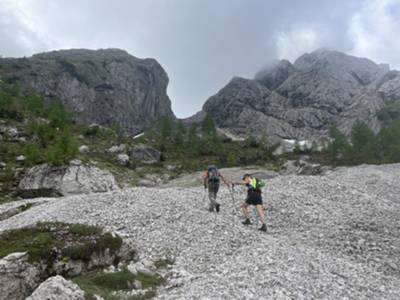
x=329, y=237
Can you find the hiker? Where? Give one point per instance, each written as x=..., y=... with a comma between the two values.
x=211, y=179
x=253, y=198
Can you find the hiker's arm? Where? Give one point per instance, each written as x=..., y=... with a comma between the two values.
x=223, y=179
x=205, y=182
x=237, y=183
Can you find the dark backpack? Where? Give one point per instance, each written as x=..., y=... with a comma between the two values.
x=212, y=174
x=260, y=183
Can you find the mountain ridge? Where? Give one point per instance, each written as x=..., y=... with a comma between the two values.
x=303, y=100
x=108, y=86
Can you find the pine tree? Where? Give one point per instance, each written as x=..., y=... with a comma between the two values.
x=179, y=134
x=363, y=144
x=208, y=126
x=193, y=140
x=338, y=146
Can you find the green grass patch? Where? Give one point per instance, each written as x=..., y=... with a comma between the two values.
x=105, y=284
x=36, y=241
x=73, y=241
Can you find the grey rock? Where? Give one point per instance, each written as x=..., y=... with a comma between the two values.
x=117, y=149
x=75, y=162
x=20, y=158
x=144, y=154
x=108, y=86
x=146, y=183
x=111, y=269
x=18, y=278
x=9, y=132
x=123, y=159
x=137, y=285
x=71, y=267
x=132, y=268
x=391, y=88
x=301, y=167
x=102, y=259
x=57, y=288
x=83, y=149
x=44, y=180
x=170, y=167
x=147, y=263
x=302, y=101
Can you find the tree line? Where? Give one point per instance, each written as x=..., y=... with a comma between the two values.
x=49, y=126
x=364, y=145
x=200, y=143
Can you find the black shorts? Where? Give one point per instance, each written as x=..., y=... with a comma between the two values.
x=254, y=199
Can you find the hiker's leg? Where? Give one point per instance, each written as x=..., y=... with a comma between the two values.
x=216, y=188
x=211, y=195
x=260, y=213
x=245, y=210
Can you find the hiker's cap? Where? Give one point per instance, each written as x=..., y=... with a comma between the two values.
x=246, y=175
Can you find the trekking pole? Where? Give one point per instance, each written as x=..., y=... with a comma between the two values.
x=204, y=195
x=233, y=197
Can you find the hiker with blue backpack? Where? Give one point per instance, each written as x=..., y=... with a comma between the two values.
x=254, y=198
x=211, y=180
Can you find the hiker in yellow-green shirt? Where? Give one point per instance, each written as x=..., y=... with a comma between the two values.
x=253, y=198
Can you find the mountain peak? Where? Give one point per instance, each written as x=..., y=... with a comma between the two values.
x=273, y=75
x=342, y=66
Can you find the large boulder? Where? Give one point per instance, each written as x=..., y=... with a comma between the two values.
x=144, y=154
x=76, y=178
x=302, y=167
x=18, y=278
x=57, y=288
x=109, y=87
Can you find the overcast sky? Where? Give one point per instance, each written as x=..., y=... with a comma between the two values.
x=202, y=44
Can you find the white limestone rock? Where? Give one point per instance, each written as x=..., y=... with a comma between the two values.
x=57, y=288
x=77, y=178
x=18, y=278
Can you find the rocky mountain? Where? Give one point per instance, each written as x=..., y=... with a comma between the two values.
x=109, y=87
x=303, y=100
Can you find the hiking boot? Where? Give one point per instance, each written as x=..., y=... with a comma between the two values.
x=217, y=207
x=246, y=222
x=263, y=228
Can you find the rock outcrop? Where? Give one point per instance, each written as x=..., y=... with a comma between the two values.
x=301, y=101
x=18, y=278
x=57, y=288
x=109, y=86
x=77, y=178
x=144, y=154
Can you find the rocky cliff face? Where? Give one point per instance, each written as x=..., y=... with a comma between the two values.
x=303, y=100
x=108, y=87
